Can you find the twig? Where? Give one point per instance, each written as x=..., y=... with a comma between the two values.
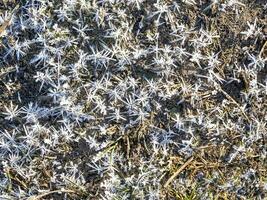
x=178, y=171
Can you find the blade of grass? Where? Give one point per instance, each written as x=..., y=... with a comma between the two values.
x=178, y=171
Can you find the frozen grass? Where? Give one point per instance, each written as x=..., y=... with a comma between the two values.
x=133, y=99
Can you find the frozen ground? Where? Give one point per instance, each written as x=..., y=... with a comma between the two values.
x=133, y=99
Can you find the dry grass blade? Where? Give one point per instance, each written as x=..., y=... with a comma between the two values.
x=37, y=197
x=234, y=102
x=178, y=171
x=4, y=26
x=263, y=49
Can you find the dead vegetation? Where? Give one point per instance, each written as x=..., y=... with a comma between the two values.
x=136, y=99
